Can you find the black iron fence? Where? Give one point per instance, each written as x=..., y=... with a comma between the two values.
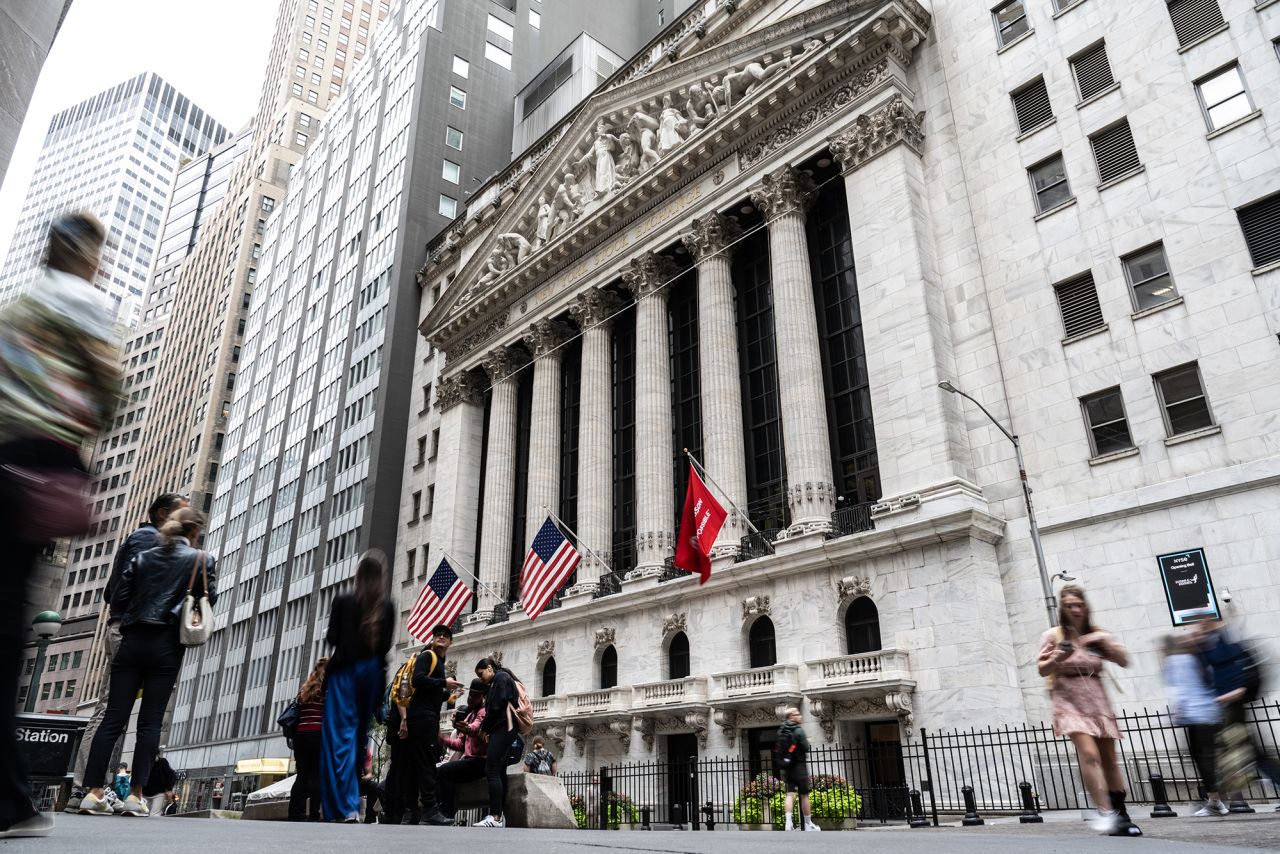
x=876, y=783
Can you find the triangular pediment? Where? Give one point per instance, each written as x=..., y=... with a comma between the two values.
x=629, y=136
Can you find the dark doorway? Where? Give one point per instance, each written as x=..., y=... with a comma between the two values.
x=682, y=777
x=549, y=678
x=760, y=750
x=887, y=798
x=862, y=626
x=761, y=646
x=608, y=668
x=678, y=656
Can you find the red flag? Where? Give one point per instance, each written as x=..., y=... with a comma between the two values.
x=700, y=524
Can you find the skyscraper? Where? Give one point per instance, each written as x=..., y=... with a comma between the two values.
x=115, y=154
x=314, y=447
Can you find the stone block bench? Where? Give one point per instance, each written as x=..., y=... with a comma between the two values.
x=533, y=800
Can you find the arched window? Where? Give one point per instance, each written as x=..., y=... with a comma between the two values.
x=549, y=678
x=678, y=657
x=862, y=626
x=763, y=650
x=608, y=668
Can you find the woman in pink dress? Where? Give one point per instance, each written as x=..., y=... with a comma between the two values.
x=1071, y=658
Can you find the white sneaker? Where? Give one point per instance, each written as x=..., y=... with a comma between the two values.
x=1204, y=811
x=1221, y=809
x=1106, y=821
x=134, y=806
x=790, y=825
x=36, y=826
x=490, y=821
x=809, y=825
x=91, y=804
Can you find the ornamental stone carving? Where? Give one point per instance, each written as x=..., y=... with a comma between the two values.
x=696, y=720
x=578, y=734
x=594, y=307
x=546, y=649
x=496, y=655
x=786, y=191
x=901, y=703
x=605, y=637
x=727, y=720
x=675, y=623
x=451, y=669
x=853, y=586
x=460, y=388
x=648, y=274
x=621, y=727
x=490, y=329
x=645, y=727
x=502, y=363
x=876, y=132
x=756, y=606
x=713, y=234
x=546, y=335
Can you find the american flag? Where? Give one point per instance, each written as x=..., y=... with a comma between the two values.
x=550, y=562
x=440, y=602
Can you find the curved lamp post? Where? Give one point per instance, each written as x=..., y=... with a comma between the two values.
x=46, y=625
x=1050, y=601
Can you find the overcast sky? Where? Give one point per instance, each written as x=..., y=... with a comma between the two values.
x=212, y=52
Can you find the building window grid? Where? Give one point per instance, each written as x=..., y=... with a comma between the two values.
x=458, y=97
x=1260, y=223
x=520, y=506
x=1107, y=424
x=1182, y=400
x=1224, y=97
x=1092, y=71
x=1049, y=183
x=1031, y=106
x=1010, y=21
x=1114, y=152
x=570, y=414
x=1078, y=302
x=624, y=441
x=682, y=305
x=1194, y=19
x=1147, y=271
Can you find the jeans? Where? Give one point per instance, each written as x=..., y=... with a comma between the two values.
x=148, y=659
x=1202, y=739
x=495, y=770
x=112, y=638
x=413, y=783
x=351, y=695
x=452, y=774
x=306, y=786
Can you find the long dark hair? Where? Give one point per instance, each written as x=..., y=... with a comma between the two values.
x=496, y=665
x=371, y=594
x=313, y=689
x=1078, y=592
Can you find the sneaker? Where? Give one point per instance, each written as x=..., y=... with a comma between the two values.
x=1219, y=807
x=490, y=821
x=1106, y=821
x=1204, y=811
x=789, y=825
x=91, y=804
x=809, y=825
x=134, y=806
x=73, y=802
x=29, y=828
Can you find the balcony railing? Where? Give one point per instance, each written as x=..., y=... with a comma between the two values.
x=547, y=708
x=599, y=702
x=671, y=692
x=853, y=519
x=780, y=678
x=609, y=584
x=879, y=666
x=758, y=544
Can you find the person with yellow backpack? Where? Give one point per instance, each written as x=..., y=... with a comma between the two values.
x=418, y=690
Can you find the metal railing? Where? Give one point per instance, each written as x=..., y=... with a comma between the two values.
x=609, y=584
x=851, y=520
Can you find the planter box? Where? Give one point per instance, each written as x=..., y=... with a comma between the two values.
x=742, y=826
x=836, y=823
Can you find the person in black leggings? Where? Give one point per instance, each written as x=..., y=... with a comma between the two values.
x=499, y=723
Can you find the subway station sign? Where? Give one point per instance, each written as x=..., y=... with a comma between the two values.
x=1188, y=587
x=48, y=742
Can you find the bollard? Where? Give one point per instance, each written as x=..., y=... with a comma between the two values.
x=971, y=817
x=677, y=816
x=1160, y=798
x=1238, y=804
x=709, y=815
x=646, y=813
x=917, y=810
x=1030, y=814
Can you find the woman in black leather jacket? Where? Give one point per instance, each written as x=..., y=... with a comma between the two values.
x=149, y=598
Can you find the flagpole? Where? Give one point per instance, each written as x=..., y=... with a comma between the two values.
x=736, y=508
x=574, y=534
x=455, y=562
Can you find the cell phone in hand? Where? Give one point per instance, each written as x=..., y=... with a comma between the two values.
x=1067, y=646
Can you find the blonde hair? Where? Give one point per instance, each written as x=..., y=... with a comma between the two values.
x=181, y=523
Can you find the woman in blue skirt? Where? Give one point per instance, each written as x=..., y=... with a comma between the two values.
x=361, y=626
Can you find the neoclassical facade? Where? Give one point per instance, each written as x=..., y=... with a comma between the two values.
x=767, y=240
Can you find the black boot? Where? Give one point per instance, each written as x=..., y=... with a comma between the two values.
x=1126, y=827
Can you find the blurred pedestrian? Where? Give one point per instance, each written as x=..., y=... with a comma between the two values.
x=791, y=753
x=146, y=537
x=1236, y=674
x=500, y=725
x=1196, y=710
x=306, y=747
x=149, y=596
x=540, y=760
x=1072, y=656
x=361, y=627
x=58, y=389
x=158, y=792
x=470, y=742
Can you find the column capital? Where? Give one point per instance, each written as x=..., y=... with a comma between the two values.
x=502, y=362
x=876, y=132
x=463, y=387
x=710, y=235
x=784, y=191
x=647, y=274
x=594, y=307
x=545, y=336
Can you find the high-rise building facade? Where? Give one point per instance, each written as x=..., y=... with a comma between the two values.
x=27, y=31
x=780, y=236
x=314, y=446
x=115, y=154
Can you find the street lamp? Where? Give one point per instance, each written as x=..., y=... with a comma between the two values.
x=45, y=625
x=1050, y=601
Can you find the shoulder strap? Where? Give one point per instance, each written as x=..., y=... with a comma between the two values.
x=435, y=662
x=197, y=565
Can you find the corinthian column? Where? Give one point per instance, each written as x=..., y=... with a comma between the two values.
x=783, y=197
x=593, y=310
x=720, y=383
x=655, y=480
x=544, y=340
x=499, y=481
x=453, y=526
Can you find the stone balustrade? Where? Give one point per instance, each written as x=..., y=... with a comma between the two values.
x=671, y=692
x=603, y=702
x=780, y=679
x=883, y=665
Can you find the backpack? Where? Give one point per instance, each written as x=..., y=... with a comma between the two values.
x=522, y=711
x=400, y=689
x=784, y=750
x=289, y=719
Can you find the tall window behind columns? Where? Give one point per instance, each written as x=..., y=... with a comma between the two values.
x=761, y=416
x=844, y=359
x=468, y=573
x=686, y=384
x=624, y=441
x=570, y=398
x=520, y=510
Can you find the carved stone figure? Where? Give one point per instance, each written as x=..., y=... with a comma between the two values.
x=628, y=161
x=644, y=130
x=567, y=204
x=672, y=126
x=700, y=108
x=740, y=84
x=516, y=246
x=495, y=268
x=542, y=233
x=600, y=158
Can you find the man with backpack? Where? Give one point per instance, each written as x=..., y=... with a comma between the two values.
x=417, y=692
x=790, y=754
x=1236, y=674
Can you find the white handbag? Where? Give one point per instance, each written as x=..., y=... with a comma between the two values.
x=197, y=615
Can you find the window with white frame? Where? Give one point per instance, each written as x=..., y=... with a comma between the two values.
x=1105, y=419
x=448, y=206
x=1223, y=97
x=1147, y=272
x=1182, y=399
x=453, y=137
x=1049, y=183
x=458, y=97
x=461, y=67
x=451, y=171
x=1011, y=21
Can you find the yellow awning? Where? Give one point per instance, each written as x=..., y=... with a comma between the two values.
x=262, y=766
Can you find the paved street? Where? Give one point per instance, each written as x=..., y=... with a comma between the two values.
x=1064, y=834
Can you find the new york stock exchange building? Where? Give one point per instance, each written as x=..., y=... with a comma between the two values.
x=768, y=239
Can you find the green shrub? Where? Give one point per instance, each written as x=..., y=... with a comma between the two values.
x=621, y=810
x=832, y=798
